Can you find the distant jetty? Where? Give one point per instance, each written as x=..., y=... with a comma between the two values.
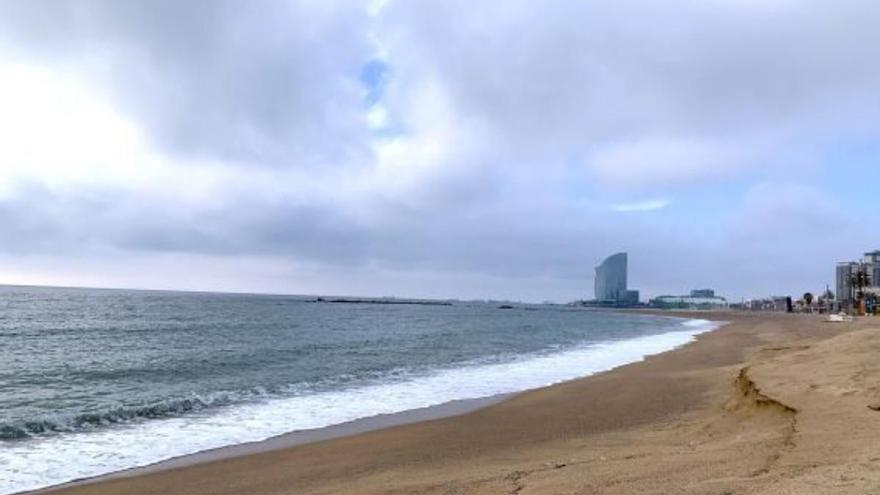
x=344, y=300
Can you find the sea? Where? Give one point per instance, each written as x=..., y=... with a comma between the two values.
x=95, y=381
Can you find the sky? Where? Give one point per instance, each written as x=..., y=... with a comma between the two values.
x=441, y=149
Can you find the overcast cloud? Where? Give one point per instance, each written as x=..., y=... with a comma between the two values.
x=437, y=148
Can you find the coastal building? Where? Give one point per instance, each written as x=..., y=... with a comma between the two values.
x=703, y=293
x=858, y=280
x=846, y=271
x=698, y=299
x=773, y=303
x=631, y=297
x=611, y=282
x=873, y=259
x=611, y=275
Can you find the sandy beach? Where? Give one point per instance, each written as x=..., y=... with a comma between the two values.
x=770, y=403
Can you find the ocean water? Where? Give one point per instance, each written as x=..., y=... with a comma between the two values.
x=96, y=381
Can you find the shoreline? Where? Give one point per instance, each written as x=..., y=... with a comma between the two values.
x=292, y=439
x=766, y=404
x=358, y=426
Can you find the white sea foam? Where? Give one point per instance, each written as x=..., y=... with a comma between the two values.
x=38, y=463
x=697, y=323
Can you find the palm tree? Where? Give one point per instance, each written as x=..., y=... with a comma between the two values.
x=808, y=301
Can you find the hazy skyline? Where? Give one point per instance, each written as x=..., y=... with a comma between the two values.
x=438, y=149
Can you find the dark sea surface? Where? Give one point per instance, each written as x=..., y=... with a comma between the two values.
x=94, y=381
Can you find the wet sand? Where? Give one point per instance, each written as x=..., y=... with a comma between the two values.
x=768, y=404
